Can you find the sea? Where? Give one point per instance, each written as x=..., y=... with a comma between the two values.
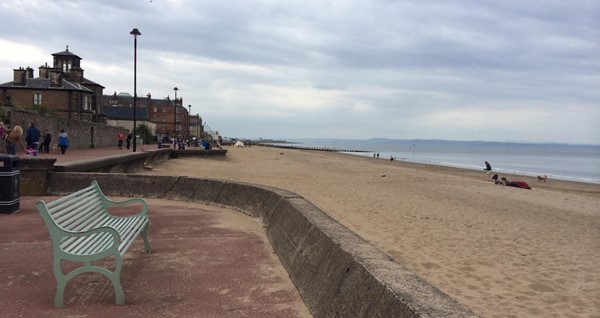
x=571, y=162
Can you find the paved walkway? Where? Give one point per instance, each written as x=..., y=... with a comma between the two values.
x=206, y=262
x=87, y=153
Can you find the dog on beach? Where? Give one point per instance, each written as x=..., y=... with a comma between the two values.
x=542, y=178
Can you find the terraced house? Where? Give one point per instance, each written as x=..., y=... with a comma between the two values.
x=60, y=89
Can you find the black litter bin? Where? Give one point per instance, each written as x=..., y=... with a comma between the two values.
x=9, y=184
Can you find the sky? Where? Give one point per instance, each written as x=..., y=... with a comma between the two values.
x=526, y=71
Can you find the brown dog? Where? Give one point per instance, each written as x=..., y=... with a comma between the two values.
x=542, y=178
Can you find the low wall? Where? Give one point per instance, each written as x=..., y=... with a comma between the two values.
x=34, y=170
x=82, y=134
x=198, y=152
x=337, y=273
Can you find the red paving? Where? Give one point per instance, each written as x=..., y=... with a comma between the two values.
x=88, y=153
x=205, y=262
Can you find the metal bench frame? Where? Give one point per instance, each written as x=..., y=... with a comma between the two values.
x=82, y=230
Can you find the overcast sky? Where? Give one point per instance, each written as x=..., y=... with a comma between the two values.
x=456, y=70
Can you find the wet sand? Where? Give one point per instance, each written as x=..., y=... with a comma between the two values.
x=501, y=251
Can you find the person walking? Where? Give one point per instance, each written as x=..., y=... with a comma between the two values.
x=120, y=140
x=488, y=169
x=13, y=137
x=46, y=142
x=63, y=141
x=3, y=136
x=33, y=137
x=128, y=140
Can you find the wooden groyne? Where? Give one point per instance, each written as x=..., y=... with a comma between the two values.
x=300, y=147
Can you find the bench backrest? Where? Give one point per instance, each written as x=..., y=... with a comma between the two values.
x=78, y=211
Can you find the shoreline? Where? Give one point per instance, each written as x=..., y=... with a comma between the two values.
x=571, y=186
x=501, y=251
x=520, y=167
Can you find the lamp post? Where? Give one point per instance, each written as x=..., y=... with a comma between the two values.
x=189, y=130
x=135, y=34
x=175, y=114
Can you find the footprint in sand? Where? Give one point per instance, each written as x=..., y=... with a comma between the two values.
x=541, y=287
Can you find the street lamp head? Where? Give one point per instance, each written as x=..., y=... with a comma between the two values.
x=175, y=89
x=135, y=32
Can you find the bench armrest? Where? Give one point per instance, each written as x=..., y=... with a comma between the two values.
x=127, y=202
x=61, y=240
x=108, y=202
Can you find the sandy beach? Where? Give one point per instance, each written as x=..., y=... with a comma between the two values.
x=501, y=251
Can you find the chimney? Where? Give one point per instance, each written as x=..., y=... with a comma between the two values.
x=55, y=78
x=29, y=72
x=43, y=70
x=76, y=75
x=19, y=77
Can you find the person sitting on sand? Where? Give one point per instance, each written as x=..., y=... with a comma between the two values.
x=495, y=179
x=517, y=184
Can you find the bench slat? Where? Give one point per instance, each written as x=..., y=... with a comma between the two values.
x=86, y=245
x=68, y=211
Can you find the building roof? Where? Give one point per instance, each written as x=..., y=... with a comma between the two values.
x=89, y=82
x=66, y=53
x=44, y=84
x=125, y=113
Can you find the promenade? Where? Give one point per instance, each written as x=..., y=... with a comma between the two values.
x=206, y=261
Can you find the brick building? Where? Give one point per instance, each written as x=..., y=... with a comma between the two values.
x=61, y=90
x=171, y=118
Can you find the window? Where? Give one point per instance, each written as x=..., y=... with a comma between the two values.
x=87, y=102
x=37, y=99
x=66, y=66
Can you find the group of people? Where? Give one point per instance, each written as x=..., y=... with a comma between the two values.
x=120, y=138
x=506, y=182
x=13, y=136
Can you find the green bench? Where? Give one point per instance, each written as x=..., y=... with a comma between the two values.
x=83, y=231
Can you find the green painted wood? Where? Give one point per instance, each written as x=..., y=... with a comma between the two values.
x=83, y=231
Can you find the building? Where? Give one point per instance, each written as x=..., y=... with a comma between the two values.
x=121, y=115
x=196, y=126
x=170, y=118
x=61, y=90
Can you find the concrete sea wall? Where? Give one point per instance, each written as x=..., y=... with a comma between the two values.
x=337, y=273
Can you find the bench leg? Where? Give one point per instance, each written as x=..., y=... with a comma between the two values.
x=145, y=237
x=59, y=296
x=61, y=282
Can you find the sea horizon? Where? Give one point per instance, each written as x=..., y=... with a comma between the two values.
x=573, y=162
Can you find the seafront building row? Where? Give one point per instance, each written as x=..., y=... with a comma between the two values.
x=63, y=91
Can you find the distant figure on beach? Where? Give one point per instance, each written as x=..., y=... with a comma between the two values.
x=488, y=169
x=517, y=184
x=63, y=141
x=391, y=158
x=378, y=155
x=120, y=140
x=495, y=179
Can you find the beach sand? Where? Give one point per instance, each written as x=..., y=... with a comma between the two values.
x=501, y=251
